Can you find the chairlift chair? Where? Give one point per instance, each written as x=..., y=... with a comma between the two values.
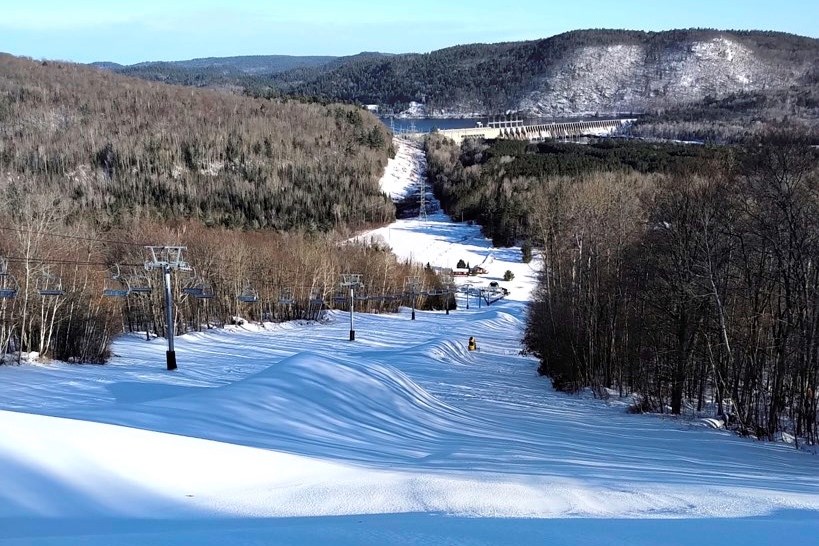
x=286, y=296
x=115, y=292
x=139, y=283
x=50, y=285
x=193, y=287
x=198, y=288
x=7, y=293
x=8, y=286
x=115, y=286
x=205, y=292
x=318, y=294
x=195, y=291
x=248, y=295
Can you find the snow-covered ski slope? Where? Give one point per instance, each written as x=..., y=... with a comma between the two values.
x=290, y=434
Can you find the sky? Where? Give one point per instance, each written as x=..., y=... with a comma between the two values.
x=130, y=31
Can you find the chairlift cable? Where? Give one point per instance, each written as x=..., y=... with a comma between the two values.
x=64, y=262
x=77, y=237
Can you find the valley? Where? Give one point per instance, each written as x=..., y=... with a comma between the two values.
x=290, y=433
x=429, y=274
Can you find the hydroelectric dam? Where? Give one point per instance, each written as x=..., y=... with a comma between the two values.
x=536, y=132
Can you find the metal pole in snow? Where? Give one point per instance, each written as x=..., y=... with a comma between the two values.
x=352, y=303
x=171, y=354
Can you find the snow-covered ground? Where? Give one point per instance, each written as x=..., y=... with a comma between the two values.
x=290, y=434
x=440, y=242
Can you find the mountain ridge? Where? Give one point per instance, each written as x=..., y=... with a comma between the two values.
x=684, y=75
x=579, y=72
x=242, y=63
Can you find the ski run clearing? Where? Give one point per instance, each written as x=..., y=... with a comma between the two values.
x=291, y=434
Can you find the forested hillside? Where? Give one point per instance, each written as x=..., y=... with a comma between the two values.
x=258, y=75
x=579, y=72
x=248, y=64
x=217, y=71
x=95, y=165
x=693, y=84
x=118, y=147
x=686, y=274
x=493, y=183
x=738, y=116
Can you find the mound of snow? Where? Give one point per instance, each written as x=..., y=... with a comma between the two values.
x=314, y=405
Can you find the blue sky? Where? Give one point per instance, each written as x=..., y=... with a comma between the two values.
x=127, y=31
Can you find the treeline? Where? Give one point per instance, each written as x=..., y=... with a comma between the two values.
x=54, y=277
x=737, y=117
x=225, y=66
x=493, y=183
x=686, y=274
x=94, y=165
x=254, y=73
x=118, y=148
x=698, y=290
x=290, y=275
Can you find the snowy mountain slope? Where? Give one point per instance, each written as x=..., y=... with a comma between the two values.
x=630, y=78
x=290, y=434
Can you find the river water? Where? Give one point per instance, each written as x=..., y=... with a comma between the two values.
x=425, y=125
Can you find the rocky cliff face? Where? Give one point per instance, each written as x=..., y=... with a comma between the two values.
x=629, y=78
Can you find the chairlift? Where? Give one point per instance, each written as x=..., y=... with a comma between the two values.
x=286, y=296
x=8, y=292
x=351, y=280
x=317, y=296
x=195, y=291
x=194, y=286
x=115, y=286
x=115, y=292
x=248, y=295
x=363, y=297
x=49, y=285
x=197, y=287
x=139, y=283
x=205, y=292
x=8, y=284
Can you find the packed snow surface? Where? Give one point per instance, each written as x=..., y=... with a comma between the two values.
x=290, y=434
